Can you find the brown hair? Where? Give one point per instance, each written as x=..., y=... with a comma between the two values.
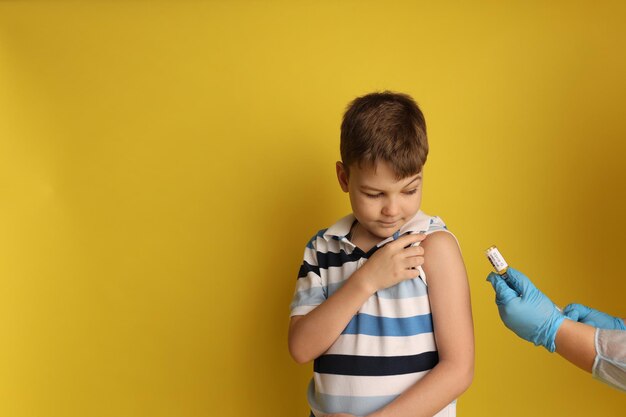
x=385, y=126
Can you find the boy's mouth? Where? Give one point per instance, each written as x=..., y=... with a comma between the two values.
x=389, y=224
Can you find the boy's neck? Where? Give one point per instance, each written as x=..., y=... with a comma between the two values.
x=362, y=238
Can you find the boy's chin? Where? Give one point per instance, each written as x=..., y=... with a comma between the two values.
x=384, y=232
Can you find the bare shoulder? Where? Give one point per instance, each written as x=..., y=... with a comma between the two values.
x=440, y=245
x=442, y=257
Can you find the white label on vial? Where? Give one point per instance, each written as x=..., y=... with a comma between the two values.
x=496, y=259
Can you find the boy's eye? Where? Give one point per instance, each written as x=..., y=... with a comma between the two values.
x=410, y=192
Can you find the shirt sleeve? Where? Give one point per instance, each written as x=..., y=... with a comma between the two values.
x=310, y=291
x=610, y=362
x=436, y=224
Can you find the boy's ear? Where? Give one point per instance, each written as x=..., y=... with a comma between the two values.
x=342, y=176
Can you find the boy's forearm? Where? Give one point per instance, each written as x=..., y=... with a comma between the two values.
x=446, y=382
x=313, y=334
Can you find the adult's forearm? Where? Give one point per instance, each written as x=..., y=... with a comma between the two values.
x=576, y=343
x=313, y=334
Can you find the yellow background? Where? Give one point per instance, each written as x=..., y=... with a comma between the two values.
x=162, y=165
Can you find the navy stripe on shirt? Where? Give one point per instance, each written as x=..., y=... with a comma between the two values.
x=327, y=259
x=306, y=267
x=375, y=365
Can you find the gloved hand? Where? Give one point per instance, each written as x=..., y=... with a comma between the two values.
x=592, y=317
x=525, y=310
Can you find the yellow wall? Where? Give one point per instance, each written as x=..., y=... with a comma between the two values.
x=162, y=165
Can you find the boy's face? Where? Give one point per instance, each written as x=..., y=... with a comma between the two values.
x=381, y=203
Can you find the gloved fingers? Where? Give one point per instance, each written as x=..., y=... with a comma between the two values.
x=576, y=311
x=493, y=278
x=504, y=293
x=571, y=314
x=519, y=282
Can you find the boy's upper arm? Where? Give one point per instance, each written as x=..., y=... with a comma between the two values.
x=293, y=321
x=449, y=295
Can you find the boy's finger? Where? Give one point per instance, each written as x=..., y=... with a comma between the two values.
x=413, y=236
x=409, y=239
x=420, y=236
x=413, y=261
x=411, y=251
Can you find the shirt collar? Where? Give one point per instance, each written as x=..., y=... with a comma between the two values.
x=339, y=230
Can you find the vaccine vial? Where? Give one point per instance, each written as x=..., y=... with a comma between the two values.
x=500, y=265
x=497, y=260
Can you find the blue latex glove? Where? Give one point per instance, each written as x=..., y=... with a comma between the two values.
x=593, y=317
x=525, y=310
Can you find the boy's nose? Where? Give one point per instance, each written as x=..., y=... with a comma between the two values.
x=390, y=208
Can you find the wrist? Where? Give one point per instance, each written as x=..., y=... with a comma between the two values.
x=557, y=324
x=362, y=283
x=575, y=342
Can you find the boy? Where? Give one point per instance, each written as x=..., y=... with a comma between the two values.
x=384, y=342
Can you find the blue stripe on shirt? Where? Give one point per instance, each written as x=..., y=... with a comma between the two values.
x=386, y=326
x=358, y=406
x=314, y=238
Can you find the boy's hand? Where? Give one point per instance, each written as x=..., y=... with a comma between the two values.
x=395, y=262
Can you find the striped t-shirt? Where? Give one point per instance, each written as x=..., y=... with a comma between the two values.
x=387, y=346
